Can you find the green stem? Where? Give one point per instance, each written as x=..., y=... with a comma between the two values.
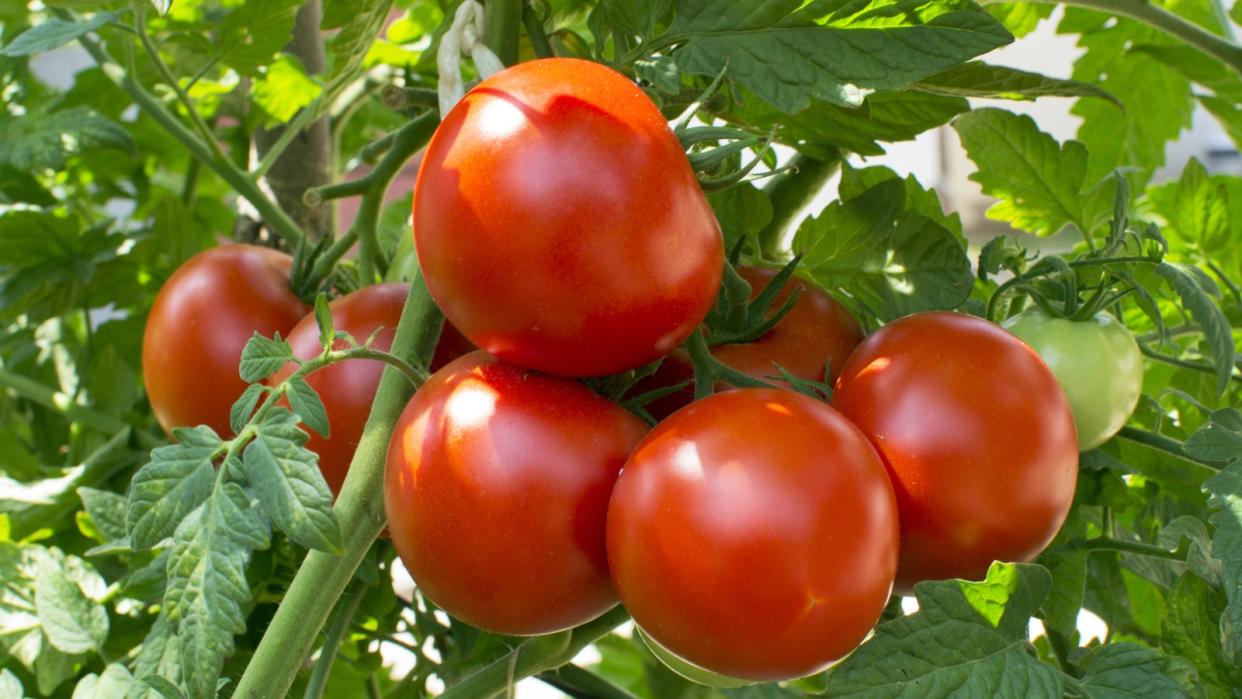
x=790, y=193
x=360, y=509
x=273, y=215
x=60, y=402
x=1162, y=443
x=583, y=682
x=346, y=608
x=533, y=656
x=204, y=131
x=1182, y=363
x=1135, y=547
x=708, y=370
x=1152, y=14
x=502, y=21
x=534, y=30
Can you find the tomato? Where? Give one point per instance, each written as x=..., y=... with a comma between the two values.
x=200, y=322
x=497, y=488
x=687, y=669
x=977, y=436
x=1097, y=362
x=348, y=388
x=754, y=534
x=559, y=224
x=811, y=340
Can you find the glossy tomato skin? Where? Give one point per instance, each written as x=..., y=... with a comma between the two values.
x=754, y=534
x=497, y=487
x=559, y=224
x=977, y=436
x=1097, y=362
x=202, y=318
x=811, y=342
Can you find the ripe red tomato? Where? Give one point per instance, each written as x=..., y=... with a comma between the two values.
x=559, y=224
x=810, y=342
x=497, y=488
x=754, y=533
x=348, y=388
x=202, y=318
x=977, y=436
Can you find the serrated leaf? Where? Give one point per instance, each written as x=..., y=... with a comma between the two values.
x=159, y=657
x=350, y=45
x=262, y=357
x=308, y=406
x=789, y=60
x=1218, y=440
x=978, y=79
x=1020, y=18
x=286, y=478
x=252, y=33
x=856, y=181
x=207, y=585
x=1040, y=183
x=1225, y=489
x=1191, y=629
x=284, y=90
x=52, y=33
x=634, y=17
x=1125, y=671
x=1198, y=545
x=323, y=319
x=966, y=640
x=73, y=622
x=175, y=482
x=1210, y=318
x=891, y=261
x=244, y=406
x=160, y=688
x=107, y=511
x=116, y=681
x=39, y=141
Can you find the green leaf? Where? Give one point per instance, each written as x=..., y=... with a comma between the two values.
x=978, y=79
x=1225, y=491
x=285, y=476
x=1125, y=671
x=10, y=686
x=116, y=681
x=21, y=637
x=72, y=620
x=1040, y=183
x=323, y=319
x=1207, y=314
x=1194, y=532
x=1191, y=630
x=244, y=406
x=891, y=261
x=1020, y=18
x=262, y=357
x=349, y=47
x=162, y=6
x=308, y=406
x=159, y=656
x=252, y=33
x=856, y=181
x=207, y=588
x=52, y=33
x=39, y=141
x=743, y=211
x=1196, y=207
x=284, y=90
x=174, y=483
x=788, y=60
x=107, y=511
x=1218, y=440
x=966, y=640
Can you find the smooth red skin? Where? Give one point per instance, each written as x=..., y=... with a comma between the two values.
x=559, y=225
x=977, y=436
x=497, y=488
x=754, y=533
x=202, y=318
x=814, y=337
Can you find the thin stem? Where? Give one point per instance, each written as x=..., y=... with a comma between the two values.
x=1162, y=443
x=1135, y=547
x=60, y=402
x=204, y=131
x=534, y=30
x=346, y=608
x=1152, y=14
x=533, y=656
x=360, y=509
x=415, y=375
x=1182, y=363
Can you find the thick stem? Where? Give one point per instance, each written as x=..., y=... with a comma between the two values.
x=502, y=21
x=533, y=656
x=60, y=402
x=360, y=509
x=1150, y=13
x=790, y=193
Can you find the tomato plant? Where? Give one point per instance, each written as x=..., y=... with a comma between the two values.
x=496, y=489
x=583, y=303
x=201, y=319
x=976, y=434
x=1097, y=363
x=749, y=557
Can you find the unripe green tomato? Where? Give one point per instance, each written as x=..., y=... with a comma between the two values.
x=687, y=669
x=1097, y=363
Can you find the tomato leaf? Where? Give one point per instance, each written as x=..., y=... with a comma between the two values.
x=308, y=406
x=743, y=211
x=967, y=639
x=978, y=79
x=1189, y=283
x=244, y=406
x=52, y=33
x=10, y=686
x=1220, y=439
x=285, y=476
x=262, y=357
x=106, y=510
x=159, y=660
x=1225, y=489
x=1126, y=669
x=1191, y=629
x=116, y=681
x=323, y=319
x=207, y=585
x=856, y=181
x=252, y=33
x=350, y=45
x=72, y=619
x=787, y=59
x=891, y=261
x=174, y=483
x=1020, y=18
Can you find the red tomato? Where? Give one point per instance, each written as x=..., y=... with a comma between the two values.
x=977, y=436
x=559, y=224
x=202, y=318
x=754, y=533
x=497, y=489
x=811, y=340
x=348, y=388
